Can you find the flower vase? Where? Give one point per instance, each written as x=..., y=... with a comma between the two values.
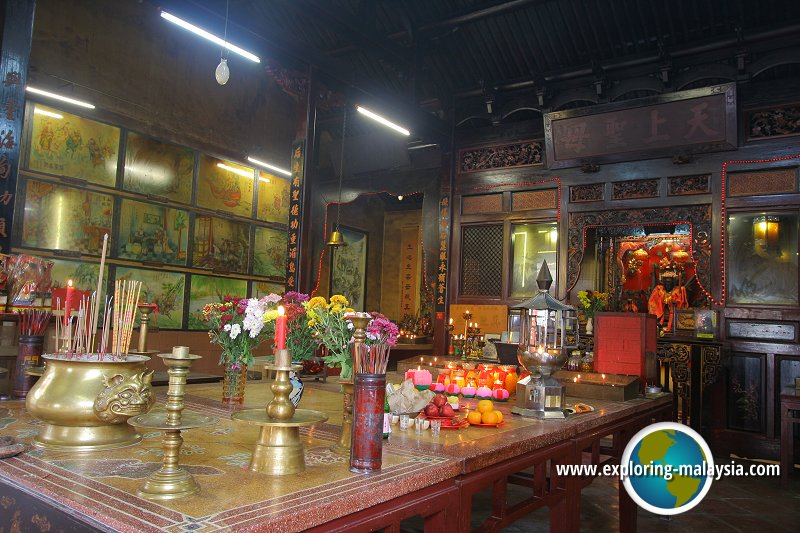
x=233, y=382
x=590, y=325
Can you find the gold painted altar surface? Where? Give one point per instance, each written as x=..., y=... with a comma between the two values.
x=100, y=488
x=103, y=485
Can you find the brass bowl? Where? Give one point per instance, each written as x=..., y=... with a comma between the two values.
x=544, y=363
x=85, y=404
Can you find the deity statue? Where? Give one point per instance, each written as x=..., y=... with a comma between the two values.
x=668, y=295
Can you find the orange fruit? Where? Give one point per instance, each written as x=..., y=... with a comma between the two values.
x=499, y=416
x=474, y=417
x=484, y=406
x=489, y=417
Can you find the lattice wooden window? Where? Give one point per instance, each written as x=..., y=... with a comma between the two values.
x=481, y=260
x=546, y=199
x=774, y=181
x=482, y=203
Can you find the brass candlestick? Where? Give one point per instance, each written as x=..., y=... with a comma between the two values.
x=144, y=321
x=360, y=322
x=279, y=449
x=172, y=480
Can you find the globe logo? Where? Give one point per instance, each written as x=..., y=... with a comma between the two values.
x=667, y=468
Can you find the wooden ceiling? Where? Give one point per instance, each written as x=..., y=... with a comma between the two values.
x=420, y=50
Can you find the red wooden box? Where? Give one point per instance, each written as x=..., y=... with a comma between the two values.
x=623, y=343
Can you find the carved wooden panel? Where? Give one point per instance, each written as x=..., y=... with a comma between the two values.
x=586, y=193
x=502, y=156
x=699, y=216
x=482, y=203
x=773, y=181
x=686, y=185
x=546, y=199
x=774, y=122
x=760, y=331
x=627, y=190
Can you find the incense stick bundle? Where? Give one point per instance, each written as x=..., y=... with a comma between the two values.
x=370, y=359
x=126, y=299
x=33, y=322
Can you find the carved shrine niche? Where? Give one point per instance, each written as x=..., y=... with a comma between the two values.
x=772, y=181
x=519, y=154
x=697, y=216
x=482, y=203
x=629, y=190
x=687, y=185
x=586, y=193
x=777, y=121
x=546, y=199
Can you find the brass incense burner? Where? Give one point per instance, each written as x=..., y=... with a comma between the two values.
x=86, y=400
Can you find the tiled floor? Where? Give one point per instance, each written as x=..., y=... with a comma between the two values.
x=756, y=505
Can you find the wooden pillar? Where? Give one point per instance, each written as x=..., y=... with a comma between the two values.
x=299, y=264
x=16, y=51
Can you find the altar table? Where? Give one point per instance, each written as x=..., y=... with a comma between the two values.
x=430, y=478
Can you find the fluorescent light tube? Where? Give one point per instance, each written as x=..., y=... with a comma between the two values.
x=55, y=96
x=47, y=113
x=382, y=120
x=210, y=36
x=235, y=170
x=267, y=165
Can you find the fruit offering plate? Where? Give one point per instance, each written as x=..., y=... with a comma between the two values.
x=460, y=423
x=495, y=425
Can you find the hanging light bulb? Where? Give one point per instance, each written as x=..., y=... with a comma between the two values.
x=399, y=197
x=223, y=73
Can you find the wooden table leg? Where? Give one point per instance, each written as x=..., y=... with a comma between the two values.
x=627, y=511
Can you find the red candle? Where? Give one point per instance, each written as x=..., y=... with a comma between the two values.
x=280, y=329
x=68, y=301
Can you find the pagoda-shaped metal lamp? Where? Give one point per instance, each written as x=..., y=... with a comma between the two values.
x=548, y=330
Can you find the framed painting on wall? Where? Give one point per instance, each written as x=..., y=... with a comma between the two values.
x=349, y=268
x=68, y=145
x=269, y=256
x=225, y=186
x=220, y=244
x=150, y=232
x=57, y=217
x=273, y=198
x=83, y=275
x=207, y=289
x=159, y=168
x=263, y=288
x=165, y=289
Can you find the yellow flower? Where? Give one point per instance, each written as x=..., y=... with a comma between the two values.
x=349, y=310
x=312, y=323
x=338, y=299
x=270, y=315
x=316, y=301
x=336, y=309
